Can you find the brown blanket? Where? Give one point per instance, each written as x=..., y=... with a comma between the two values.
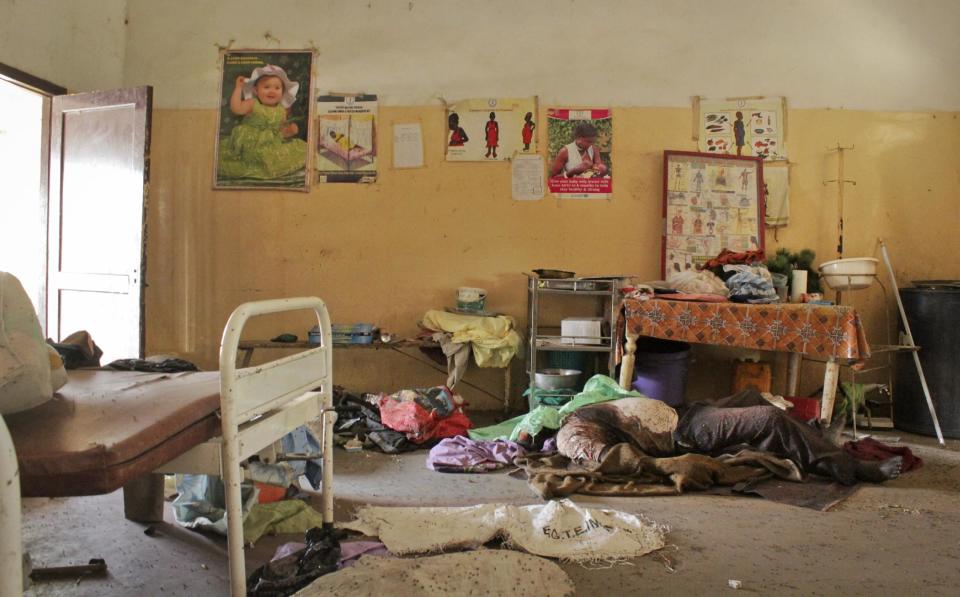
x=626, y=471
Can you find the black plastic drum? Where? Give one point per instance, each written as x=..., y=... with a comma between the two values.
x=933, y=310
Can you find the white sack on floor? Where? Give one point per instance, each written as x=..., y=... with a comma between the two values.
x=558, y=529
x=484, y=572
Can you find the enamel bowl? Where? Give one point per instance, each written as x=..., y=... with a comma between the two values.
x=849, y=274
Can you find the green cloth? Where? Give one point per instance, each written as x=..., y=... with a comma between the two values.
x=851, y=392
x=288, y=516
x=256, y=147
x=598, y=388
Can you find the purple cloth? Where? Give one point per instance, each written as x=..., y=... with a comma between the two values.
x=351, y=552
x=463, y=455
x=549, y=446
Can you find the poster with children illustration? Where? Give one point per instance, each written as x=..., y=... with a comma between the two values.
x=744, y=127
x=579, y=146
x=346, y=138
x=263, y=132
x=710, y=203
x=491, y=129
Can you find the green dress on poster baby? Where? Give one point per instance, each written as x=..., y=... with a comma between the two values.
x=264, y=145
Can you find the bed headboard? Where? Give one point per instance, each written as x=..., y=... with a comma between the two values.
x=255, y=390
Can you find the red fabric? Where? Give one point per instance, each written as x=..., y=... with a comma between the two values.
x=727, y=256
x=871, y=450
x=418, y=423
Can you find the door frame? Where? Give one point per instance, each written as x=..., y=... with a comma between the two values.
x=47, y=90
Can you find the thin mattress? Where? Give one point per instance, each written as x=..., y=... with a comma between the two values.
x=107, y=427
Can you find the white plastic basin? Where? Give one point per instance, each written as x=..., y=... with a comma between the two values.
x=849, y=274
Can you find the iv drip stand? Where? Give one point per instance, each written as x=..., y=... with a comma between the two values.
x=840, y=180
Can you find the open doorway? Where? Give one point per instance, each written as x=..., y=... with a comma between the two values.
x=23, y=229
x=74, y=171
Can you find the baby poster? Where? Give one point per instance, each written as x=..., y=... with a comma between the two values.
x=579, y=145
x=346, y=138
x=263, y=133
x=490, y=130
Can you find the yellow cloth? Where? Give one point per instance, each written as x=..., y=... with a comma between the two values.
x=493, y=339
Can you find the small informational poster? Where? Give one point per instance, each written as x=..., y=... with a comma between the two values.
x=346, y=138
x=776, y=182
x=528, y=177
x=263, y=128
x=710, y=203
x=407, y=145
x=580, y=141
x=491, y=129
x=744, y=127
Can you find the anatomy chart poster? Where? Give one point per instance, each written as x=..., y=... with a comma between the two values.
x=710, y=203
x=346, y=138
x=744, y=127
x=579, y=146
x=492, y=129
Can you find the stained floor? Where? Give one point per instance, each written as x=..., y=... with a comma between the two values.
x=892, y=539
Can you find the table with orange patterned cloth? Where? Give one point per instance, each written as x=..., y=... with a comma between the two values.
x=823, y=332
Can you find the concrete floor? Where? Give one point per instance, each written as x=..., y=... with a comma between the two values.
x=884, y=540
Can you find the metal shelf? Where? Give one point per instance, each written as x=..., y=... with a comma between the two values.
x=597, y=288
x=575, y=292
x=551, y=347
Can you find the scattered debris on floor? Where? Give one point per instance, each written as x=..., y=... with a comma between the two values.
x=95, y=567
x=482, y=572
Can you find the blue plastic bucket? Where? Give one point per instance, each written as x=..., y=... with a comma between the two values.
x=661, y=369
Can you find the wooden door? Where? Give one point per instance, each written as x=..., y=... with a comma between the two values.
x=99, y=158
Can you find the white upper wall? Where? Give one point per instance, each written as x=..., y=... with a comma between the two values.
x=856, y=54
x=78, y=44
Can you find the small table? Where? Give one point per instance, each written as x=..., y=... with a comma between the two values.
x=248, y=346
x=823, y=332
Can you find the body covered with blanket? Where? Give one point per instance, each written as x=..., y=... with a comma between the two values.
x=639, y=446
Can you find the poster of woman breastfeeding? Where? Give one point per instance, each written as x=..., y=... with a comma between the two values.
x=264, y=132
x=579, y=153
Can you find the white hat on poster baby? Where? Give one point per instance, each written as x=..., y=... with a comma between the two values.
x=290, y=88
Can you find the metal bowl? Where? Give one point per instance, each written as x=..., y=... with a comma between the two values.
x=557, y=379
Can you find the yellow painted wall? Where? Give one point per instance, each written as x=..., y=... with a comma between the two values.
x=388, y=252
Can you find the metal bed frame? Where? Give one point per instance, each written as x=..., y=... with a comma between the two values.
x=258, y=406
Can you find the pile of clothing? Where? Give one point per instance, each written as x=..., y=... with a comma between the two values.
x=403, y=421
x=745, y=275
x=493, y=340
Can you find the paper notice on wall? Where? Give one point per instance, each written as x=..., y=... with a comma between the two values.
x=407, y=145
x=776, y=180
x=528, y=177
